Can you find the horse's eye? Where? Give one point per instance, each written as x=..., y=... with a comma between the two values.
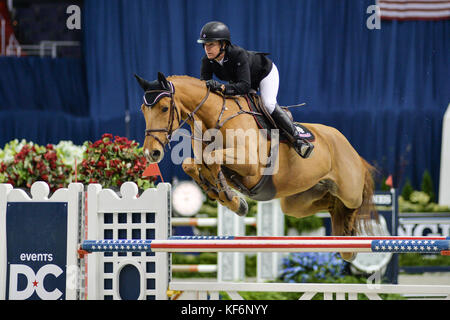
x=164, y=109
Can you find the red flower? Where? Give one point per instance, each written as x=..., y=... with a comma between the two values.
x=96, y=143
x=107, y=135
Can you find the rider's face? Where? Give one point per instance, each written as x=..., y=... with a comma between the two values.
x=212, y=49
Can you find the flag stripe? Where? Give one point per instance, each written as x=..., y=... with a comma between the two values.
x=414, y=9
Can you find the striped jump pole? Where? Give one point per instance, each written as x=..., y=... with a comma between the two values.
x=274, y=244
x=205, y=222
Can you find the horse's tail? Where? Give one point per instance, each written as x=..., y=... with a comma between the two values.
x=367, y=212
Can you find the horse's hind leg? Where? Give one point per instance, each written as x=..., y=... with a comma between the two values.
x=343, y=224
x=308, y=202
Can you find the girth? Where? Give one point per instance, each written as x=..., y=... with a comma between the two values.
x=265, y=189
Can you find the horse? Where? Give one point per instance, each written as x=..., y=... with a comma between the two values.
x=335, y=178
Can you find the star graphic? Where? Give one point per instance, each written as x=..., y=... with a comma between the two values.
x=35, y=283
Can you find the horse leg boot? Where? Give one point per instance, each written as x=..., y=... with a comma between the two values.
x=229, y=197
x=301, y=146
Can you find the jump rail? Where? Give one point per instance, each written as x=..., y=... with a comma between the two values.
x=270, y=244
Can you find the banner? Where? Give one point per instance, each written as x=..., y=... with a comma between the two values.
x=36, y=250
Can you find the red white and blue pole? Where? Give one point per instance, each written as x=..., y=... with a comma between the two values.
x=274, y=244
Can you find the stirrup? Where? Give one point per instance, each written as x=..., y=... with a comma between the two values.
x=304, y=149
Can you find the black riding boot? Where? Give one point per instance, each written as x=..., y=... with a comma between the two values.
x=302, y=146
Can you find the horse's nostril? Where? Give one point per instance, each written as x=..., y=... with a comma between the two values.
x=156, y=153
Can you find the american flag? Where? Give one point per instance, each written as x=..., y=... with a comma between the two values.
x=414, y=9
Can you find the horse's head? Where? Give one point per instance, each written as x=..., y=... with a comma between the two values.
x=161, y=116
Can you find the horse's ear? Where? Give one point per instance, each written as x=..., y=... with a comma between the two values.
x=143, y=83
x=163, y=81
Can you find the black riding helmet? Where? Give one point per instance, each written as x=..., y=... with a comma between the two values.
x=214, y=31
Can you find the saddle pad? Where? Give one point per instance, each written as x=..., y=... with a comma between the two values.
x=304, y=132
x=264, y=123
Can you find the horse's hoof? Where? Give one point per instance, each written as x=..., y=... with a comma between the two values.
x=243, y=208
x=348, y=256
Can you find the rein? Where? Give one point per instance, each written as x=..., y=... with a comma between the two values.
x=174, y=110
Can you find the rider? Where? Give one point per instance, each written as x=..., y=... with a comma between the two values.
x=245, y=70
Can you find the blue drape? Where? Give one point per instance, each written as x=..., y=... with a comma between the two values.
x=326, y=55
x=44, y=84
x=44, y=127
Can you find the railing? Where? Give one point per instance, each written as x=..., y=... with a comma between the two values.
x=10, y=47
x=211, y=290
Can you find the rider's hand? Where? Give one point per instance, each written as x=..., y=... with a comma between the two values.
x=215, y=86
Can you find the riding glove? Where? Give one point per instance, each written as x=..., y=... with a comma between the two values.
x=214, y=85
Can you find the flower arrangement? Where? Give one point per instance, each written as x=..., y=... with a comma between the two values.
x=69, y=153
x=112, y=161
x=108, y=161
x=312, y=267
x=24, y=163
x=11, y=149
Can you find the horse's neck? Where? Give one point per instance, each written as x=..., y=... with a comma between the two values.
x=191, y=93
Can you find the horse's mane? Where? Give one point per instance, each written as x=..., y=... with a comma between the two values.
x=186, y=78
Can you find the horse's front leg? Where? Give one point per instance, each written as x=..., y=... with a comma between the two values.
x=202, y=176
x=238, y=161
x=215, y=186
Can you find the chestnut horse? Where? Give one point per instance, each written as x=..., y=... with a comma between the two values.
x=334, y=178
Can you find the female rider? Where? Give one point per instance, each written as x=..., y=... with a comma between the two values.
x=245, y=70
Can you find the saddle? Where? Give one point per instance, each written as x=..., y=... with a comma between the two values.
x=265, y=121
x=265, y=189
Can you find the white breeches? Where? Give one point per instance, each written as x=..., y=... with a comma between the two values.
x=268, y=88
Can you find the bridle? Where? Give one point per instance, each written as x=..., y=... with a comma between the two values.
x=173, y=110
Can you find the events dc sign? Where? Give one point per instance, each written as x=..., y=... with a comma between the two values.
x=36, y=250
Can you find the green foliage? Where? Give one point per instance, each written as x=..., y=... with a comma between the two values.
x=303, y=224
x=407, y=190
x=384, y=186
x=250, y=266
x=427, y=185
x=419, y=201
x=419, y=259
